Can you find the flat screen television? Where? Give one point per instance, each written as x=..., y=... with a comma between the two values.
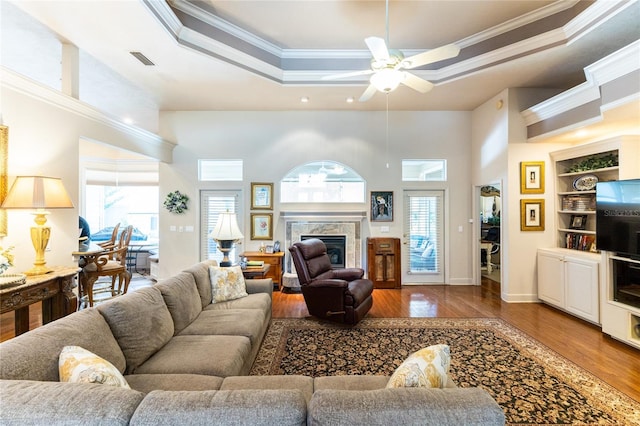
x=618, y=216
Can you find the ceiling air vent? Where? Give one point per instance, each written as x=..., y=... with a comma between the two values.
x=139, y=56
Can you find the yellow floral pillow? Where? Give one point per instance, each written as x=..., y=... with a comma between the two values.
x=227, y=283
x=78, y=365
x=426, y=368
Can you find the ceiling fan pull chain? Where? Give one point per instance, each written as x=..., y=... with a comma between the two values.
x=387, y=130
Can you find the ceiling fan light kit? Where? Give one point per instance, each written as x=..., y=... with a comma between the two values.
x=387, y=80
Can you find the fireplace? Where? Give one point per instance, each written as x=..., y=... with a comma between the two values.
x=336, y=248
x=345, y=225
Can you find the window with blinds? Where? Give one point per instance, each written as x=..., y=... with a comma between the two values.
x=212, y=203
x=424, y=222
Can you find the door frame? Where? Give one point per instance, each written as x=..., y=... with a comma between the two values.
x=476, y=233
x=444, y=263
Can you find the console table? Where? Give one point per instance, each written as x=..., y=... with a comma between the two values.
x=274, y=260
x=54, y=290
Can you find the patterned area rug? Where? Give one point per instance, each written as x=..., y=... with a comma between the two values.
x=533, y=384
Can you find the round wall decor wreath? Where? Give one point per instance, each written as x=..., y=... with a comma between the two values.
x=176, y=202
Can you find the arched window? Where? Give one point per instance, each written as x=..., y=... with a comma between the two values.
x=322, y=182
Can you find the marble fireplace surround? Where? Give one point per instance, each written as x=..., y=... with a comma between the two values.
x=346, y=224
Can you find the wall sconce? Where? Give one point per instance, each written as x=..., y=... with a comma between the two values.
x=226, y=233
x=39, y=193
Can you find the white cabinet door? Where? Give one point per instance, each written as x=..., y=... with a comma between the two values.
x=551, y=278
x=581, y=280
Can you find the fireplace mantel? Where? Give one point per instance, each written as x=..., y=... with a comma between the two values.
x=314, y=215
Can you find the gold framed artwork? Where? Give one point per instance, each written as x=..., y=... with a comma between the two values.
x=4, y=156
x=261, y=226
x=532, y=177
x=532, y=215
x=261, y=196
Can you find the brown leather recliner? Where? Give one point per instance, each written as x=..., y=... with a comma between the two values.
x=340, y=295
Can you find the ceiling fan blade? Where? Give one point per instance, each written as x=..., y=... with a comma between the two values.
x=416, y=83
x=431, y=56
x=371, y=90
x=378, y=48
x=347, y=74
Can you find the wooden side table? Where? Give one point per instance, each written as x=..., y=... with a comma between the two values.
x=275, y=262
x=257, y=272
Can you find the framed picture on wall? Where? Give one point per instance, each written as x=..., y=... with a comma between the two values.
x=261, y=226
x=381, y=206
x=532, y=215
x=261, y=196
x=532, y=177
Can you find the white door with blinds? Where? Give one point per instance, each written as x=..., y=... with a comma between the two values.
x=212, y=203
x=423, y=248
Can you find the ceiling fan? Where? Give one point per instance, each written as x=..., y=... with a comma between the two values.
x=388, y=65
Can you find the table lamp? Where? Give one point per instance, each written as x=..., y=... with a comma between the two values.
x=39, y=193
x=226, y=233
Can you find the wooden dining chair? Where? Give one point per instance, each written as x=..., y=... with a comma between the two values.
x=108, y=245
x=111, y=263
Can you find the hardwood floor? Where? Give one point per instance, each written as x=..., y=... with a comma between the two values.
x=580, y=342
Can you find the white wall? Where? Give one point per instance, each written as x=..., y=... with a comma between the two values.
x=273, y=143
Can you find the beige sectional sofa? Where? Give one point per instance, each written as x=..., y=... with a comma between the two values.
x=187, y=359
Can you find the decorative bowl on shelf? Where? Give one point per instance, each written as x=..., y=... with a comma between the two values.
x=585, y=183
x=8, y=280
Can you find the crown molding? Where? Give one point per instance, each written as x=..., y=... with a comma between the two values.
x=607, y=69
x=151, y=144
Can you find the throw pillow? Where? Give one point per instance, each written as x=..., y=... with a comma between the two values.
x=227, y=283
x=78, y=365
x=426, y=368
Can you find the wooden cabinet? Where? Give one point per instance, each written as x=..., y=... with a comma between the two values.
x=570, y=281
x=275, y=261
x=383, y=262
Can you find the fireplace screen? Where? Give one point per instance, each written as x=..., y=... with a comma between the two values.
x=336, y=246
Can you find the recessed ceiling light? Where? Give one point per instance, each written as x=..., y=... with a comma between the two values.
x=304, y=99
x=350, y=100
x=128, y=120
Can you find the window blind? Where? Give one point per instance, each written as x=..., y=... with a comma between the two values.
x=424, y=219
x=212, y=203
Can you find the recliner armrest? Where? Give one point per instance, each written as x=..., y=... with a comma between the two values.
x=332, y=282
x=348, y=274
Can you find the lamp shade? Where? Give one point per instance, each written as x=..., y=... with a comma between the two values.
x=226, y=228
x=37, y=192
x=387, y=80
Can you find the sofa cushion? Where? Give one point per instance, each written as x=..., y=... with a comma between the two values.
x=176, y=382
x=78, y=365
x=200, y=272
x=232, y=407
x=140, y=322
x=426, y=368
x=182, y=299
x=405, y=406
x=43, y=403
x=231, y=322
x=34, y=355
x=301, y=383
x=227, y=283
x=211, y=355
